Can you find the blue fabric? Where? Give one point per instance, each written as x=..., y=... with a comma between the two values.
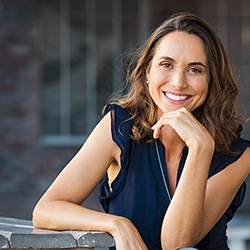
x=139, y=194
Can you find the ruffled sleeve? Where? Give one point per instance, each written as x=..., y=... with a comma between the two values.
x=221, y=162
x=121, y=130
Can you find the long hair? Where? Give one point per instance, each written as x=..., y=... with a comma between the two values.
x=218, y=112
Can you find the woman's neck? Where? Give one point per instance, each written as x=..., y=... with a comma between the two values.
x=172, y=142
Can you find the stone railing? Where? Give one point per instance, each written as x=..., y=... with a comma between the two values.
x=20, y=234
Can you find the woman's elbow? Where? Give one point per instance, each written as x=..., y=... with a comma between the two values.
x=39, y=219
x=36, y=217
x=35, y=222
x=175, y=245
x=179, y=241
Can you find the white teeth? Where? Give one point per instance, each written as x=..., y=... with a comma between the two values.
x=176, y=97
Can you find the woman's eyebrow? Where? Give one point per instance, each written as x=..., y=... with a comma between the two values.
x=190, y=64
x=197, y=63
x=167, y=58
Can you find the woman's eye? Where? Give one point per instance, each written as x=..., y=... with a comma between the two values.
x=166, y=65
x=195, y=70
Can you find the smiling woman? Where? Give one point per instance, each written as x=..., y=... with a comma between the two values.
x=168, y=153
x=179, y=73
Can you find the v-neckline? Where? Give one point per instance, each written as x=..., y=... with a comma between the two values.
x=162, y=164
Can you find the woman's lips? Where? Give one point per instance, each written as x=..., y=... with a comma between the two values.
x=177, y=98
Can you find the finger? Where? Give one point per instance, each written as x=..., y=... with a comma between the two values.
x=156, y=133
x=157, y=128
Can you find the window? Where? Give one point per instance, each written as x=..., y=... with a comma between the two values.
x=82, y=45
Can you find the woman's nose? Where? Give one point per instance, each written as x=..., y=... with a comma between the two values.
x=178, y=80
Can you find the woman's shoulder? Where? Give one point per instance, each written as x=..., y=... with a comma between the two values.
x=237, y=148
x=121, y=124
x=243, y=150
x=120, y=117
x=117, y=110
x=239, y=145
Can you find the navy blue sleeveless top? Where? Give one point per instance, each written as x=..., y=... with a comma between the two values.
x=139, y=193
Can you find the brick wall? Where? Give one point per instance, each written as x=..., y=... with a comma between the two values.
x=19, y=102
x=25, y=167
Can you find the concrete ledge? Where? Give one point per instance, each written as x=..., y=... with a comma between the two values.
x=20, y=234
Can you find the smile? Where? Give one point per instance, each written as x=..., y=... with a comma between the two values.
x=177, y=97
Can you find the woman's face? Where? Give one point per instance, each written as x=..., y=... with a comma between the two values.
x=179, y=73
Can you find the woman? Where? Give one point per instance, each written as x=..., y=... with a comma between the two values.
x=169, y=155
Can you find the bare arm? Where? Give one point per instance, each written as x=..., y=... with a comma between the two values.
x=60, y=208
x=195, y=208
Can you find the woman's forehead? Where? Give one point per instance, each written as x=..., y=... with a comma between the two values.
x=179, y=44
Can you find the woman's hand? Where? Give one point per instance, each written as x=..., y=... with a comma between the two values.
x=126, y=235
x=190, y=130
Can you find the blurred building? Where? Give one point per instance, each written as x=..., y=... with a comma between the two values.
x=59, y=62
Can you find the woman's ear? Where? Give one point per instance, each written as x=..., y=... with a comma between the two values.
x=147, y=73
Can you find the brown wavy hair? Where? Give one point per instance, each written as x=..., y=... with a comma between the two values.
x=218, y=112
